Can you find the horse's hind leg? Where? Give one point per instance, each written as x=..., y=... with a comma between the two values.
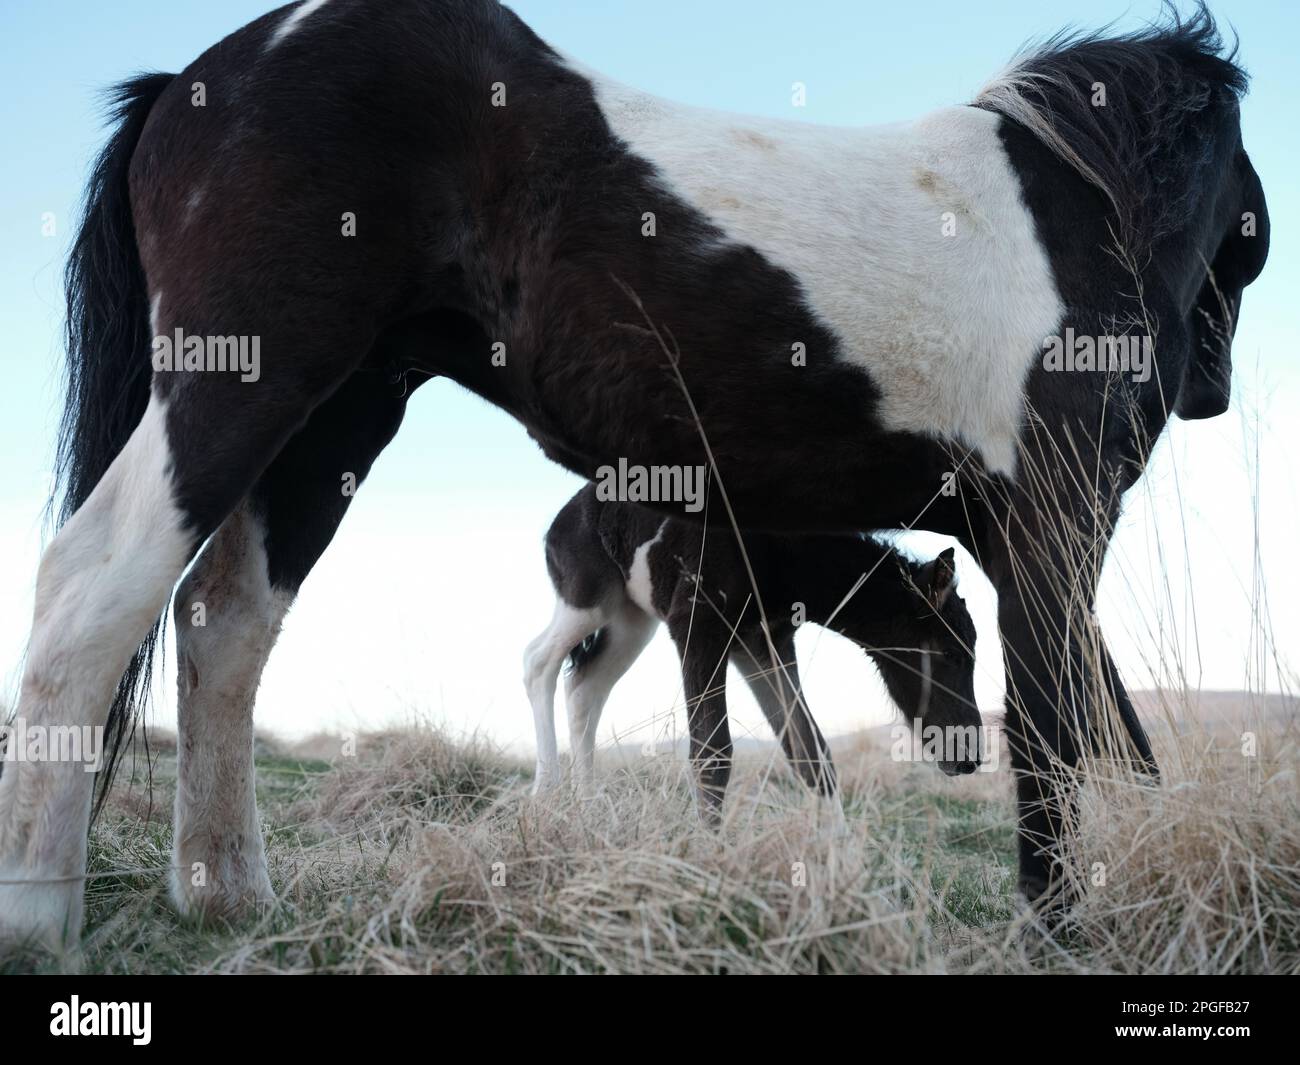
x=102, y=583
x=228, y=614
x=227, y=618
x=203, y=441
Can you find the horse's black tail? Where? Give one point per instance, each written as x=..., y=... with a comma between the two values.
x=108, y=367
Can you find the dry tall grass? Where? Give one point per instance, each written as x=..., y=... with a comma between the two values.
x=417, y=854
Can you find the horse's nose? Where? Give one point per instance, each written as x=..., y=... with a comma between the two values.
x=963, y=768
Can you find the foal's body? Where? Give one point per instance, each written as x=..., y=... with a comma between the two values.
x=856, y=317
x=620, y=569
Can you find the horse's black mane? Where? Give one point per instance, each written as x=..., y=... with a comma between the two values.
x=1159, y=83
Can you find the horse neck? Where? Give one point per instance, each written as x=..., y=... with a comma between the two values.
x=820, y=572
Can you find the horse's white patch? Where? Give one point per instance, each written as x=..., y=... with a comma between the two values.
x=219, y=668
x=103, y=580
x=155, y=306
x=640, y=581
x=911, y=243
x=294, y=20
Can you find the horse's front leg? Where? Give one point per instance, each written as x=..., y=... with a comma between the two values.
x=1065, y=700
x=774, y=682
x=1044, y=727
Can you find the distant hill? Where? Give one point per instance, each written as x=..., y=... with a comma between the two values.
x=1215, y=708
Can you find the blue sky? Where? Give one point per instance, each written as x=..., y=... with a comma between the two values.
x=425, y=602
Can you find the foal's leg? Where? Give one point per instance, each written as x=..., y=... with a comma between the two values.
x=624, y=638
x=704, y=652
x=240, y=588
x=543, y=658
x=776, y=688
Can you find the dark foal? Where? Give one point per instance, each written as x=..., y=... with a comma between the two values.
x=620, y=569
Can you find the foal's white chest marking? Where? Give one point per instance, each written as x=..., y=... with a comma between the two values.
x=911, y=242
x=640, y=584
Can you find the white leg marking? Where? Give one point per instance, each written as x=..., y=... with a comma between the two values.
x=227, y=620
x=102, y=582
x=586, y=693
x=294, y=21
x=542, y=661
x=911, y=243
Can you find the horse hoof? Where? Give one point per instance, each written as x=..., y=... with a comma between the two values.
x=1052, y=903
x=226, y=896
x=38, y=916
x=543, y=785
x=1032, y=887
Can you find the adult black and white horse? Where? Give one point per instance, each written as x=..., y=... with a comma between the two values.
x=857, y=320
x=619, y=569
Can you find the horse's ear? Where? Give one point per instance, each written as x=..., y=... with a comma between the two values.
x=940, y=577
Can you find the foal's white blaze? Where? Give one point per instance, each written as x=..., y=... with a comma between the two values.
x=911, y=242
x=927, y=683
x=294, y=20
x=102, y=582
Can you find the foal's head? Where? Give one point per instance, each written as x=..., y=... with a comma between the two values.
x=927, y=660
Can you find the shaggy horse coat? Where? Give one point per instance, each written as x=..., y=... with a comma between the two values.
x=848, y=327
